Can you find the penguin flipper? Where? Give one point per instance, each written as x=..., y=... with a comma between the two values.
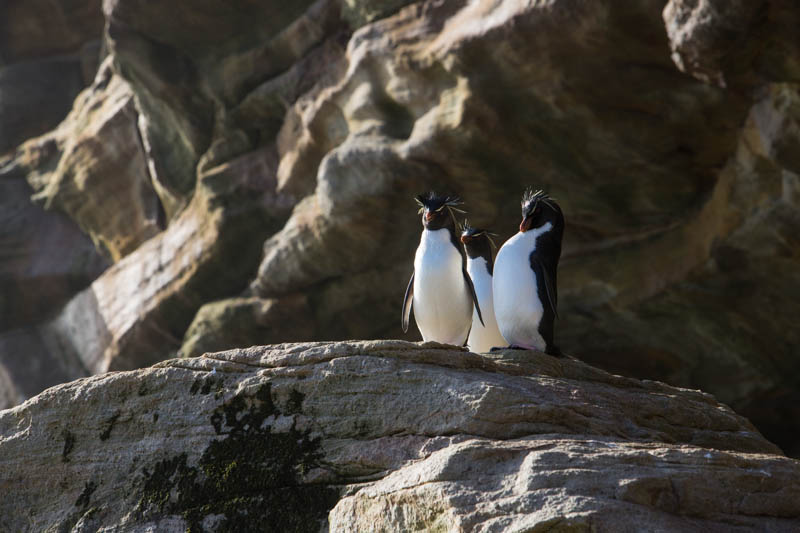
x=549, y=285
x=474, y=296
x=407, y=304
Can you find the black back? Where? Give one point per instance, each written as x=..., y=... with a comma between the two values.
x=544, y=259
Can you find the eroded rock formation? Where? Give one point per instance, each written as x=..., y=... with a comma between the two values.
x=386, y=436
x=246, y=169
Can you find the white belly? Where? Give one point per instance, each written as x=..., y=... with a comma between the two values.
x=516, y=300
x=483, y=338
x=442, y=303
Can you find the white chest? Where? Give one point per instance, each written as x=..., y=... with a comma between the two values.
x=518, y=308
x=482, y=280
x=442, y=303
x=436, y=255
x=483, y=337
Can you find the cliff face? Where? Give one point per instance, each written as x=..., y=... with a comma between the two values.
x=238, y=173
x=385, y=436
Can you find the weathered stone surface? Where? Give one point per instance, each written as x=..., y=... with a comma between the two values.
x=654, y=172
x=38, y=28
x=136, y=312
x=245, y=322
x=45, y=257
x=189, y=78
x=49, y=51
x=737, y=42
x=385, y=436
x=93, y=168
x=35, y=96
x=420, y=104
x=31, y=364
x=680, y=191
x=9, y=397
x=45, y=261
x=722, y=329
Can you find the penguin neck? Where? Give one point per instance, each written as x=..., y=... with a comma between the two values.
x=532, y=235
x=444, y=236
x=478, y=267
x=476, y=253
x=450, y=232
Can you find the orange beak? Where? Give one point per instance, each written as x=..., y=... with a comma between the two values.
x=525, y=225
x=465, y=239
x=428, y=216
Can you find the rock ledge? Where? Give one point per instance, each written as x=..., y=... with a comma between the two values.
x=385, y=435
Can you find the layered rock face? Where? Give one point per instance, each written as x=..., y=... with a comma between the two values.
x=245, y=172
x=48, y=54
x=386, y=436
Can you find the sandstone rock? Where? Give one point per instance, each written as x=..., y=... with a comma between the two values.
x=419, y=105
x=189, y=78
x=723, y=328
x=680, y=194
x=35, y=96
x=32, y=29
x=9, y=397
x=45, y=261
x=385, y=436
x=735, y=42
x=245, y=322
x=651, y=191
x=31, y=364
x=48, y=53
x=93, y=168
x=136, y=312
x=360, y=12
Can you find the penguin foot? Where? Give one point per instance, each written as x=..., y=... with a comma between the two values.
x=512, y=347
x=554, y=351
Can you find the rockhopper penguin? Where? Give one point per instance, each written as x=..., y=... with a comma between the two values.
x=478, y=244
x=524, y=282
x=440, y=289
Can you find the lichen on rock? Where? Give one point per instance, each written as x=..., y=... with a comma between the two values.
x=385, y=435
x=248, y=480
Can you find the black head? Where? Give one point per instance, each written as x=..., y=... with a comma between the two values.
x=477, y=242
x=538, y=209
x=438, y=211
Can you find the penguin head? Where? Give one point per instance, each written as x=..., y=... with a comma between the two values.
x=477, y=242
x=538, y=209
x=438, y=211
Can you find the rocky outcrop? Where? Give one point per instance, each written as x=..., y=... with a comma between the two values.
x=385, y=436
x=735, y=43
x=254, y=181
x=46, y=259
x=31, y=29
x=93, y=168
x=48, y=53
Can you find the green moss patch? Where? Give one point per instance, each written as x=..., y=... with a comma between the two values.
x=249, y=479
